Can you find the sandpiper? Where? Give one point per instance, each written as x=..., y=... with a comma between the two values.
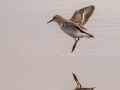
x=74, y=27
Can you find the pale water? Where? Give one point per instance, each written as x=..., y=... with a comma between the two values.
x=35, y=55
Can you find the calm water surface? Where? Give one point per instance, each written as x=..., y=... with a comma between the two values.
x=35, y=55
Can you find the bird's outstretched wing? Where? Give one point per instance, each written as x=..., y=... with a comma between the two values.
x=75, y=78
x=81, y=16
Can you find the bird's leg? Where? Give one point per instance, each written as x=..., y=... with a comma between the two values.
x=73, y=48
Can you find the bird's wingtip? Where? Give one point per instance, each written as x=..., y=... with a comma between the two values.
x=73, y=74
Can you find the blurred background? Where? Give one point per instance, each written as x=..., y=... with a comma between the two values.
x=35, y=55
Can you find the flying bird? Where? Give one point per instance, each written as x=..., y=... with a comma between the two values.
x=74, y=27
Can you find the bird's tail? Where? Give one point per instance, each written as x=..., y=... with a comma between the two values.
x=89, y=36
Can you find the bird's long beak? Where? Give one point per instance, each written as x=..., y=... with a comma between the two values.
x=49, y=21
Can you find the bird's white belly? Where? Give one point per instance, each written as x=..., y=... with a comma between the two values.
x=73, y=33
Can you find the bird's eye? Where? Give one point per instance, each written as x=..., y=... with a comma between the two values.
x=55, y=18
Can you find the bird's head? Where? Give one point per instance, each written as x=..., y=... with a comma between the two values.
x=56, y=18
